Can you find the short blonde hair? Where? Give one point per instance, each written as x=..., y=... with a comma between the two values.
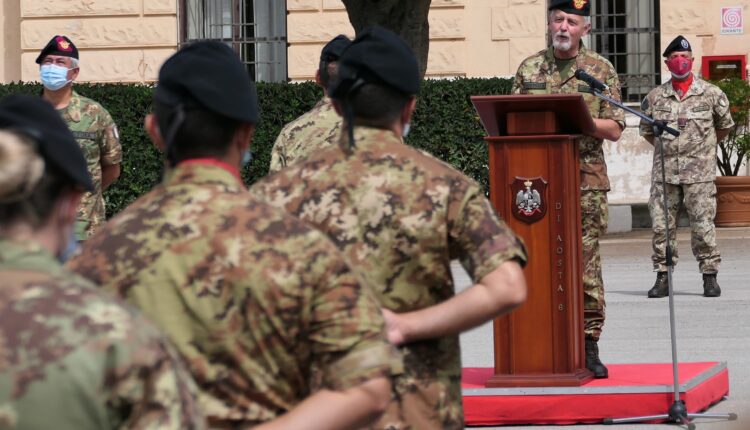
x=21, y=167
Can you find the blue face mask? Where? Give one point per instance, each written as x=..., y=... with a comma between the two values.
x=53, y=76
x=247, y=157
x=71, y=246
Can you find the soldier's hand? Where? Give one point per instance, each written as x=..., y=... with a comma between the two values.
x=394, y=327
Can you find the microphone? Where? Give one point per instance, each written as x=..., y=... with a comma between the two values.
x=592, y=81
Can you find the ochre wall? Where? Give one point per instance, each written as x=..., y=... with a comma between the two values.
x=10, y=41
x=126, y=40
x=467, y=37
x=700, y=22
x=118, y=40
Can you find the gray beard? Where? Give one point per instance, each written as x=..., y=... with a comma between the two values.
x=559, y=45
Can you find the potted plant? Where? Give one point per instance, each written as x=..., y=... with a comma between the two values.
x=733, y=187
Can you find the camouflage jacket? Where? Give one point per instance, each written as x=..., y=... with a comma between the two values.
x=538, y=74
x=691, y=157
x=315, y=129
x=401, y=216
x=254, y=299
x=96, y=132
x=71, y=357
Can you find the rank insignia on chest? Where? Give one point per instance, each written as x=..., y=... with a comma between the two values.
x=535, y=85
x=91, y=135
x=529, y=201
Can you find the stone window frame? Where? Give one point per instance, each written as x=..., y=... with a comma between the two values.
x=255, y=29
x=627, y=33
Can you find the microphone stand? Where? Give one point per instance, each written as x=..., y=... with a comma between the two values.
x=677, y=413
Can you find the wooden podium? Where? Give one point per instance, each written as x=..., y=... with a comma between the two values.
x=535, y=187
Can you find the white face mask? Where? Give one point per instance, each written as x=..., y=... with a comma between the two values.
x=405, y=131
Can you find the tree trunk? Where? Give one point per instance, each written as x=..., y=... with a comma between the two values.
x=407, y=18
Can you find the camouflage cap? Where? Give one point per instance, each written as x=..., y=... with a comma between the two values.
x=58, y=45
x=37, y=119
x=678, y=44
x=208, y=74
x=576, y=7
x=378, y=56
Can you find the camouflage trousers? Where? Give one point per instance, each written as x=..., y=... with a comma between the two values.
x=699, y=200
x=594, y=214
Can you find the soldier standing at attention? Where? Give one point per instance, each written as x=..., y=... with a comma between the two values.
x=91, y=124
x=401, y=216
x=700, y=111
x=71, y=357
x=319, y=127
x=276, y=329
x=550, y=72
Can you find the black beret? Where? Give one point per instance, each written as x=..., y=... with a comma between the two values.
x=678, y=44
x=37, y=119
x=577, y=7
x=209, y=75
x=58, y=45
x=332, y=50
x=377, y=56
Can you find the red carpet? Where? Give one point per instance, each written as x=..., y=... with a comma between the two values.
x=631, y=390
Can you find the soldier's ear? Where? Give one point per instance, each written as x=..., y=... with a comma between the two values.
x=152, y=128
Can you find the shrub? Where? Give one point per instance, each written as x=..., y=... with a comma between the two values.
x=734, y=150
x=444, y=124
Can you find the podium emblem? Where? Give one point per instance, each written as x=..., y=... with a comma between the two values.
x=528, y=203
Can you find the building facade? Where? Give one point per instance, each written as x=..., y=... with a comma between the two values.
x=127, y=40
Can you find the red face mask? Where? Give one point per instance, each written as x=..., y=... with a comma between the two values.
x=680, y=66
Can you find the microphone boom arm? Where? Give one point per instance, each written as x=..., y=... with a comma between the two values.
x=659, y=125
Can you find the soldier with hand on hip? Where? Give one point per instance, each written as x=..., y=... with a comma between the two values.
x=400, y=216
x=277, y=330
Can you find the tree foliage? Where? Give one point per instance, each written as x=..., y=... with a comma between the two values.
x=734, y=150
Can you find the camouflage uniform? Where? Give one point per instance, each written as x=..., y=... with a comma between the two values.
x=400, y=216
x=72, y=358
x=538, y=74
x=96, y=133
x=252, y=298
x=690, y=167
x=316, y=129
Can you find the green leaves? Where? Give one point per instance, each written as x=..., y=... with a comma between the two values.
x=735, y=148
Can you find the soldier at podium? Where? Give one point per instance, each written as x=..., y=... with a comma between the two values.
x=551, y=71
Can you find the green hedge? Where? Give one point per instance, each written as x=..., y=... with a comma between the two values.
x=445, y=124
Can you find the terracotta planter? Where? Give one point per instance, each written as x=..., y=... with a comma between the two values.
x=732, y=201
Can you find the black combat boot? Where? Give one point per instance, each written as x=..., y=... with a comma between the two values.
x=592, y=360
x=661, y=286
x=710, y=286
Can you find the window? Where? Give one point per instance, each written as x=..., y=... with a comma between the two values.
x=626, y=32
x=255, y=29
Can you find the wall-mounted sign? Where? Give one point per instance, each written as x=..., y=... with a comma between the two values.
x=731, y=20
x=716, y=67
